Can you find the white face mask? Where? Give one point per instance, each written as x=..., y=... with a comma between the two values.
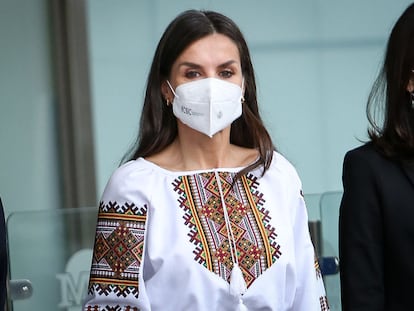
x=207, y=105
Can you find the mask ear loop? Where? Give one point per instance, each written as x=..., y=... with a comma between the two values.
x=171, y=88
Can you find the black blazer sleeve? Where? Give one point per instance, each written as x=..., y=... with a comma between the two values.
x=361, y=235
x=3, y=258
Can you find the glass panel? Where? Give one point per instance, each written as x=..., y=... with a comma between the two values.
x=50, y=253
x=312, y=205
x=329, y=209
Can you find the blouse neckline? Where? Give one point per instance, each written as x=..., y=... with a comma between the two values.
x=165, y=171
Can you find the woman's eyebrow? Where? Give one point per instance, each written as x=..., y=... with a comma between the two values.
x=194, y=65
x=228, y=63
x=189, y=64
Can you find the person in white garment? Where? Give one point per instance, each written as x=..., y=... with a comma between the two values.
x=204, y=214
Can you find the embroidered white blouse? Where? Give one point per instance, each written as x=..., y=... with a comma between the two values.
x=165, y=241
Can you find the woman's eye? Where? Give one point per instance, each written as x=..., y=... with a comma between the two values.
x=226, y=74
x=192, y=74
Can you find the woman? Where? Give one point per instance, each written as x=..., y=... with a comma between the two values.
x=376, y=228
x=205, y=215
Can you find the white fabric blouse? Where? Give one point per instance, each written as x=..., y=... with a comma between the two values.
x=163, y=242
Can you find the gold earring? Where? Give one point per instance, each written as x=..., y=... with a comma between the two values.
x=167, y=102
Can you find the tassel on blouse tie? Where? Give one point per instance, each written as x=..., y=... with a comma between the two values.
x=237, y=285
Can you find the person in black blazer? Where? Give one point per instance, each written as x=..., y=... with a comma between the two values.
x=3, y=259
x=376, y=222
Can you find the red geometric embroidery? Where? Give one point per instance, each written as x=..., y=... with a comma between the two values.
x=324, y=303
x=118, y=250
x=255, y=238
x=109, y=308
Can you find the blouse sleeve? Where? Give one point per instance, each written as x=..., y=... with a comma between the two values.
x=115, y=281
x=310, y=290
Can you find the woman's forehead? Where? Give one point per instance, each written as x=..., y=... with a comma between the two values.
x=212, y=49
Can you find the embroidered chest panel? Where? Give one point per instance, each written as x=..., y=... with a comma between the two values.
x=255, y=239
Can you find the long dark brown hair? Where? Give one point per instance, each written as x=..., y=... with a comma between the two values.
x=389, y=108
x=158, y=125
